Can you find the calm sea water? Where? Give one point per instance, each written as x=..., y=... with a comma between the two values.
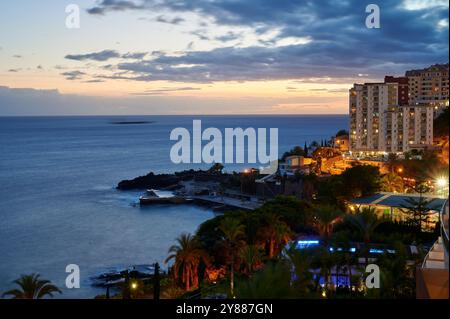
x=58, y=204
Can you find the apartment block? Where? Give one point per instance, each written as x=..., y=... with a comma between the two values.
x=397, y=115
x=429, y=86
x=378, y=124
x=403, y=88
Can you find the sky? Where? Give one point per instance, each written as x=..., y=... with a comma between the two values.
x=208, y=56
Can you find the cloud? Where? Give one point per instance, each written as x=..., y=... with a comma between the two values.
x=201, y=34
x=106, y=55
x=324, y=36
x=14, y=70
x=96, y=56
x=94, y=81
x=317, y=61
x=17, y=56
x=73, y=75
x=113, y=5
x=134, y=56
x=165, y=90
x=229, y=36
x=163, y=19
x=190, y=46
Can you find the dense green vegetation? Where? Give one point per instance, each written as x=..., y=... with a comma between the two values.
x=441, y=124
x=249, y=256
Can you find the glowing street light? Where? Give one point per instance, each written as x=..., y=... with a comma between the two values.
x=442, y=182
x=442, y=186
x=134, y=285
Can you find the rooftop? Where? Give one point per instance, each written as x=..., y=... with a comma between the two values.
x=432, y=68
x=399, y=200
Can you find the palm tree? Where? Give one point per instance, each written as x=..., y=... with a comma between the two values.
x=397, y=274
x=365, y=221
x=251, y=256
x=233, y=234
x=303, y=276
x=32, y=287
x=346, y=260
x=187, y=255
x=276, y=232
x=325, y=218
x=271, y=282
x=392, y=182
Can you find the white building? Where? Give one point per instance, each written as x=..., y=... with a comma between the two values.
x=379, y=125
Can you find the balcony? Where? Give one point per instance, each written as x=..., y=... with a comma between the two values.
x=435, y=258
x=432, y=277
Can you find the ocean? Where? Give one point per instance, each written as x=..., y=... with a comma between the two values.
x=59, y=205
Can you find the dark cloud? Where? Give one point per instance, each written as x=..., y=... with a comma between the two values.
x=106, y=55
x=14, y=70
x=296, y=62
x=201, y=34
x=135, y=55
x=96, y=56
x=73, y=75
x=230, y=36
x=17, y=56
x=163, y=19
x=114, y=5
x=190, y=46
x=341, y=44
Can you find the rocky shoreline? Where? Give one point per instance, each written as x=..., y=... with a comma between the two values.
x=170, y=181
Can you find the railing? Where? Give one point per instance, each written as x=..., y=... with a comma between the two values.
x=443, y=216
x=427, y=257
x=444, y=225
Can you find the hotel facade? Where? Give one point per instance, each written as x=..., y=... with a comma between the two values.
x=396, y=115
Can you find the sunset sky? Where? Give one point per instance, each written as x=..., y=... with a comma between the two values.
x=207, y=56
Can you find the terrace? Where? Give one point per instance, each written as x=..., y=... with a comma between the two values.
x=393, y=205
x=432, y=277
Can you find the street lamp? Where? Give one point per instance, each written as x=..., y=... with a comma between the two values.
x=441, y=182
x=442, y=185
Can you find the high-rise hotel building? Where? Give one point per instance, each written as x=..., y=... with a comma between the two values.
x=429, y=86
x=396, y=116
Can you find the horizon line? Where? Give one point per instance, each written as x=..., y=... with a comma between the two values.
x=228, y=114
